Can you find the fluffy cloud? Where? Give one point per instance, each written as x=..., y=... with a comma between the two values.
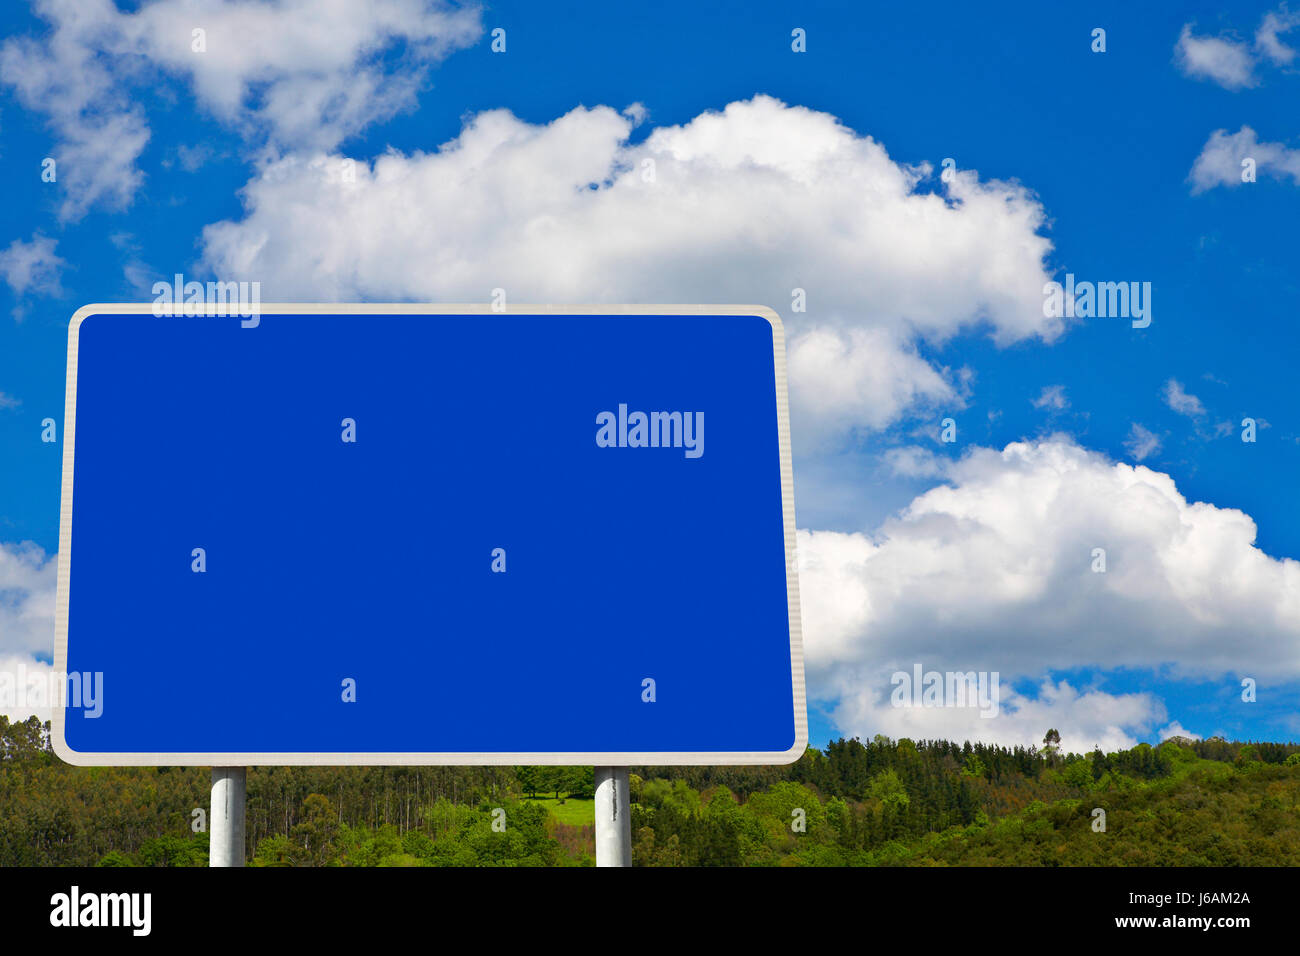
x=993, y=571
x=845, y=378
x=914, y=461
x=1226, y=61
x=101, y=132
x=27, y=687
x=1176, y=729
x=1230, y=62
x=1086, y=718
x=1279, y=21
x=742, y=205
x=1219, y=163
x=298, y=73
x=311, y=72
x=31, y=267
x=27, y=578
x=27, y=582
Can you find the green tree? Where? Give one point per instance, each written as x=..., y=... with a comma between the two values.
x=315, y=834
x=1052, y=746
x=889, y=790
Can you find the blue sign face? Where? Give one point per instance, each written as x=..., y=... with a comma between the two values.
x=411, y=534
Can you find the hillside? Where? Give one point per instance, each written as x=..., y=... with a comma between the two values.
x=882, y=802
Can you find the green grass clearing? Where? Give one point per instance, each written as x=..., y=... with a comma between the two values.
x=574, y=811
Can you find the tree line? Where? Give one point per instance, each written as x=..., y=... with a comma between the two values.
x=854, y=802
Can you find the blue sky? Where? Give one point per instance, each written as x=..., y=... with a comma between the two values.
x=1099, y=146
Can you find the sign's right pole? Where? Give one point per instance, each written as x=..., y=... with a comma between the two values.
x=226, y=816
x=613, y=817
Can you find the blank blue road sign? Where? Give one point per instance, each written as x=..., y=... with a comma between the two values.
x=387, y=534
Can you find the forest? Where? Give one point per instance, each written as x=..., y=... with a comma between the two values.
x=881, y=802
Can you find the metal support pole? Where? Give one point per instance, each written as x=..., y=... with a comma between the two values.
x=613, y=817
x=226, y=816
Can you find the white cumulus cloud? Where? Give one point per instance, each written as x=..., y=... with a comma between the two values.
x=27, y=581
x=1175, y=729
x=311, y=72
x=1086, y=718
x=290, y=73
x=743, y=205
x=994, y=571
x=27, y=688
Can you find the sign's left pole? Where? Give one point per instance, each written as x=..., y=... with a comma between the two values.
x=226, y=816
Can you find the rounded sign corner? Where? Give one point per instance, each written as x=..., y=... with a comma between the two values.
x=83, y=313
x=75, y=758
x=763, y=312
x=797, y=750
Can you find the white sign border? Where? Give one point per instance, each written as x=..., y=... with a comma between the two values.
x=598, y=759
